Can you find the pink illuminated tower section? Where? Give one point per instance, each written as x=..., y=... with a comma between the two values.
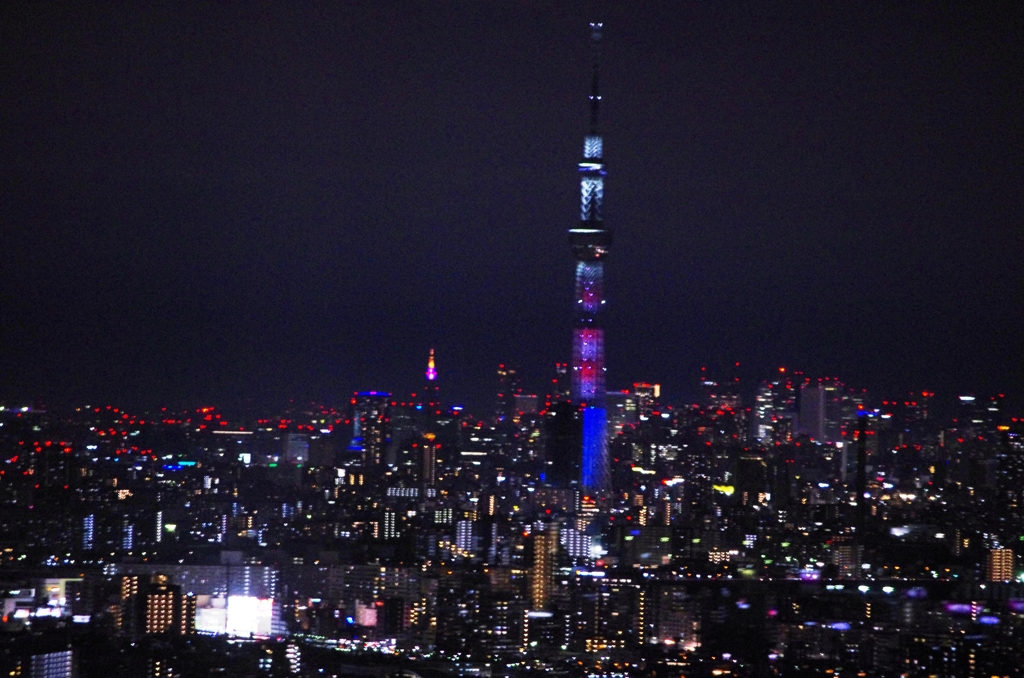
x=431, y=370
x=590, y=242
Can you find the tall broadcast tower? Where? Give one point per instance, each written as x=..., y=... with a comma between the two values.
x=590, y=242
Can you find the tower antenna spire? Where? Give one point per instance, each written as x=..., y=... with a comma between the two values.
x=596, y=28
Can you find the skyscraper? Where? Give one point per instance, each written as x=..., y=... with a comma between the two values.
x=545, y=547
x=371, y=426
x=508, y=387
x=812, y=410
x=590, y=242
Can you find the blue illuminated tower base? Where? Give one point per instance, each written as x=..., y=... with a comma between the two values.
x=594, y=474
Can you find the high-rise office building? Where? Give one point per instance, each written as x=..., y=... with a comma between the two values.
x=562, y=444
x=812, y=410
x=296, y=448
x=970, y=417
x=590, y=242
x=834, y=393
x=623, y=409
x=523, y=404
x=764, y=411
x=561, y=385
x=508, y=387
x=724, y=394
x=371, y=429
x=464, y=540
x=775, y=408
x=428, y=459
x=646, y=397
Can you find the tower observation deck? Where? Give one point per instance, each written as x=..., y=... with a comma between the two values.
x=590, y=242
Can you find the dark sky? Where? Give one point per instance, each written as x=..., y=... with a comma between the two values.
x=232, y=201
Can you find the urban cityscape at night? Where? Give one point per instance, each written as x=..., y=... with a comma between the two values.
x=282, y=398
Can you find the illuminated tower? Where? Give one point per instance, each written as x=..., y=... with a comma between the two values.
x=431, y=399
x=431, y=369
x=590, y=242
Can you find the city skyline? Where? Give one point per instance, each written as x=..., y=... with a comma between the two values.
x=294, y=382
x=228, y=204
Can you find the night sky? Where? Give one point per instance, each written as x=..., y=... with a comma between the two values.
x=237, y=202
